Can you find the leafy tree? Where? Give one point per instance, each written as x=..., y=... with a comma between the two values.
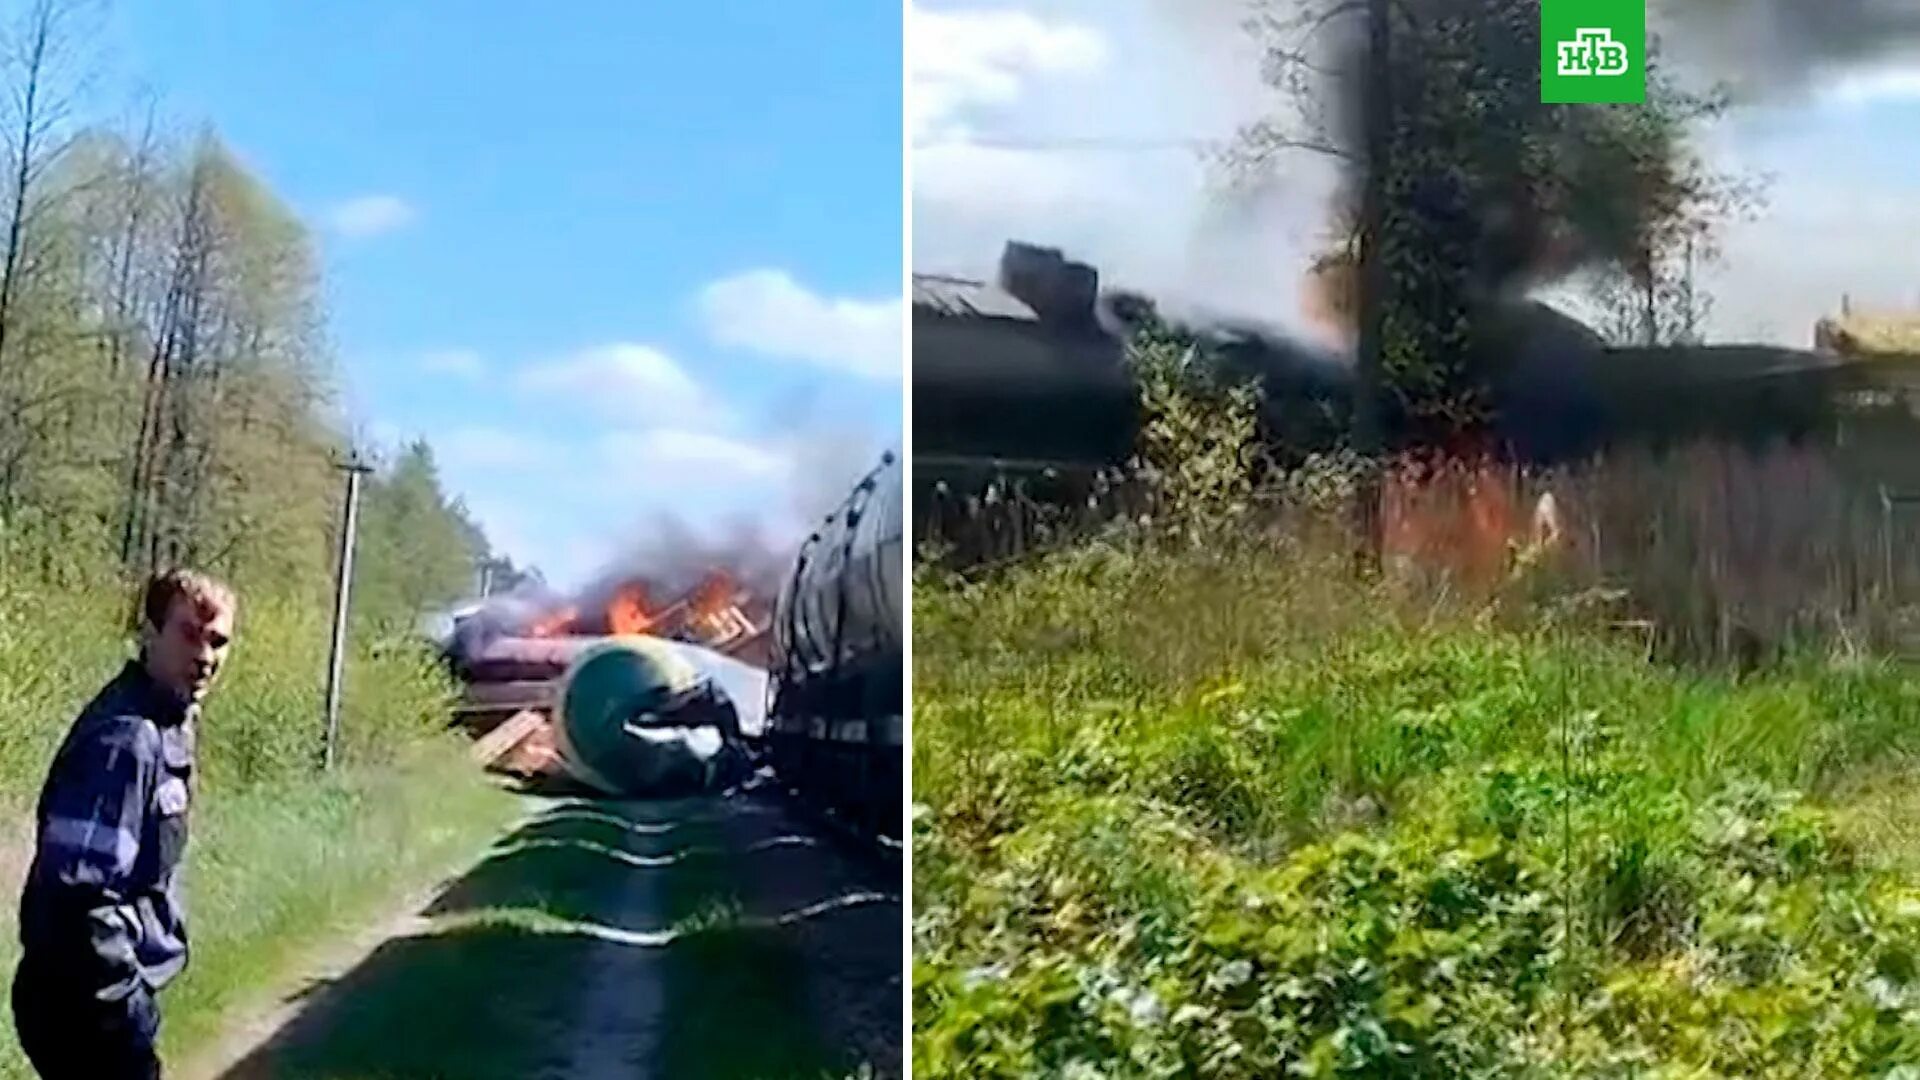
x=417, y=549
x=1488, y=191
x=1198, y=435
x=165, y=396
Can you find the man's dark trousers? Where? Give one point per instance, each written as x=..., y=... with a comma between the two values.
x=69, y=1034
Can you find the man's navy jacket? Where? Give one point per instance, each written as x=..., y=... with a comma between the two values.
x=101, y=910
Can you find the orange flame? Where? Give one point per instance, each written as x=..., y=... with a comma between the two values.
x=556, y=623
x=714, y=607
x=1460, y=514
x=711, y=610
x=714, y=593
x=628, y=612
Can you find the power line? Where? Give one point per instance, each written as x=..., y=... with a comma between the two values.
x=1128, y=144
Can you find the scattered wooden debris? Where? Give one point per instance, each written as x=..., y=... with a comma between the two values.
x=522, y=744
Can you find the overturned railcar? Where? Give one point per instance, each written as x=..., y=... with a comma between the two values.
x=835, y=716
x=1025, y=377
x=641, y=715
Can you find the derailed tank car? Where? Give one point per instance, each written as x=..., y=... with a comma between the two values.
x=837, y=683
x=640, y=715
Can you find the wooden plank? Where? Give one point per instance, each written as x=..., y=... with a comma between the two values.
x=501, y=741
x=506, y=696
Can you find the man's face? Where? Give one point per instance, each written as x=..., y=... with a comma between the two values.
x=186, y=652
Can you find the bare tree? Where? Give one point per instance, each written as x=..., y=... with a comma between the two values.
x=150, y=482
x=45, y=76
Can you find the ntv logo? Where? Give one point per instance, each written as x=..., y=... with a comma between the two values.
x=1592, y=52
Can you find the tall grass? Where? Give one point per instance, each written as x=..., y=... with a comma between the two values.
x=1257, y=667
x=1224, y=809
x=1730, y=552
x=264, y=722
x=283, y=858
x=1714, y=552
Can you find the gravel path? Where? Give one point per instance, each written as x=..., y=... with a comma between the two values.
x=710, y=937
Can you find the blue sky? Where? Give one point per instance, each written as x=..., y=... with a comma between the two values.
x=638, y=258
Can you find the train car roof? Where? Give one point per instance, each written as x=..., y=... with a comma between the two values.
x=966, y=298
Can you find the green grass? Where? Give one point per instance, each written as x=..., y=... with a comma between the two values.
x=278, y=871
x=282, y=860
x=506, y=973
x=1226, y=813
x=265, y=720
x=283, y=864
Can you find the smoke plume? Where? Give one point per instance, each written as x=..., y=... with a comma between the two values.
x=1771, y=50
x=673, y=555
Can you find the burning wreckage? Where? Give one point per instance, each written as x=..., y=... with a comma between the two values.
x=1024, y=379
x=628, y=696
x=631, y=699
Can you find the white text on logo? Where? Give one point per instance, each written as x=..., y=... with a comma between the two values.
x=1592, y=52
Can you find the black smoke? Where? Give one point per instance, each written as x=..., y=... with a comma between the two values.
x=673, y=556
x=1772, y=50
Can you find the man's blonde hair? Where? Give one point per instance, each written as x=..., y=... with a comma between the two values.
x=207, y=593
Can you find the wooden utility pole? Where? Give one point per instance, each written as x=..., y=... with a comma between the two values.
x=355, y=468
x=1378, y=80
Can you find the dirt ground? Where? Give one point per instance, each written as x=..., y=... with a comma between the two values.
x=699, y=937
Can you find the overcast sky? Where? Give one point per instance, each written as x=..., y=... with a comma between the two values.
x=1073, y=122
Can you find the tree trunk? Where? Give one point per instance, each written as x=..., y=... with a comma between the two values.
x=1373, y=281
x=23, y=169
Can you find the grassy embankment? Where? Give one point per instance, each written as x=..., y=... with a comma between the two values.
x=282, y=860
x=1227, y=813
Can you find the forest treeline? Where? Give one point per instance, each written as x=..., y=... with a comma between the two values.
x=168, y=395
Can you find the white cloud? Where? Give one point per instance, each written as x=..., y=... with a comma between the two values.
x=371, y=215
x=462, y=363
x=671, y=457
x=968, y=59
x=769, y=312
x=573, y=503
x=1875, y=85
x=570, y=493
x=623, y=379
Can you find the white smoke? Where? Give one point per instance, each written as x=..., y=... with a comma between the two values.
x=1114, y=157
x=1106, y=159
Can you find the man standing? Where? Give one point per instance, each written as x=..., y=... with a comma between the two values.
x=101, y=926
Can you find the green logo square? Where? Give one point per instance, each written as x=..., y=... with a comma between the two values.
x=1593, y=51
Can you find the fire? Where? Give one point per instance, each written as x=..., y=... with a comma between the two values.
x=1328, y=300
x=1462, y=515
x=555, y=623
x=715, y=609
x=714, y=594
x=711, y=613
x=629, y=611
